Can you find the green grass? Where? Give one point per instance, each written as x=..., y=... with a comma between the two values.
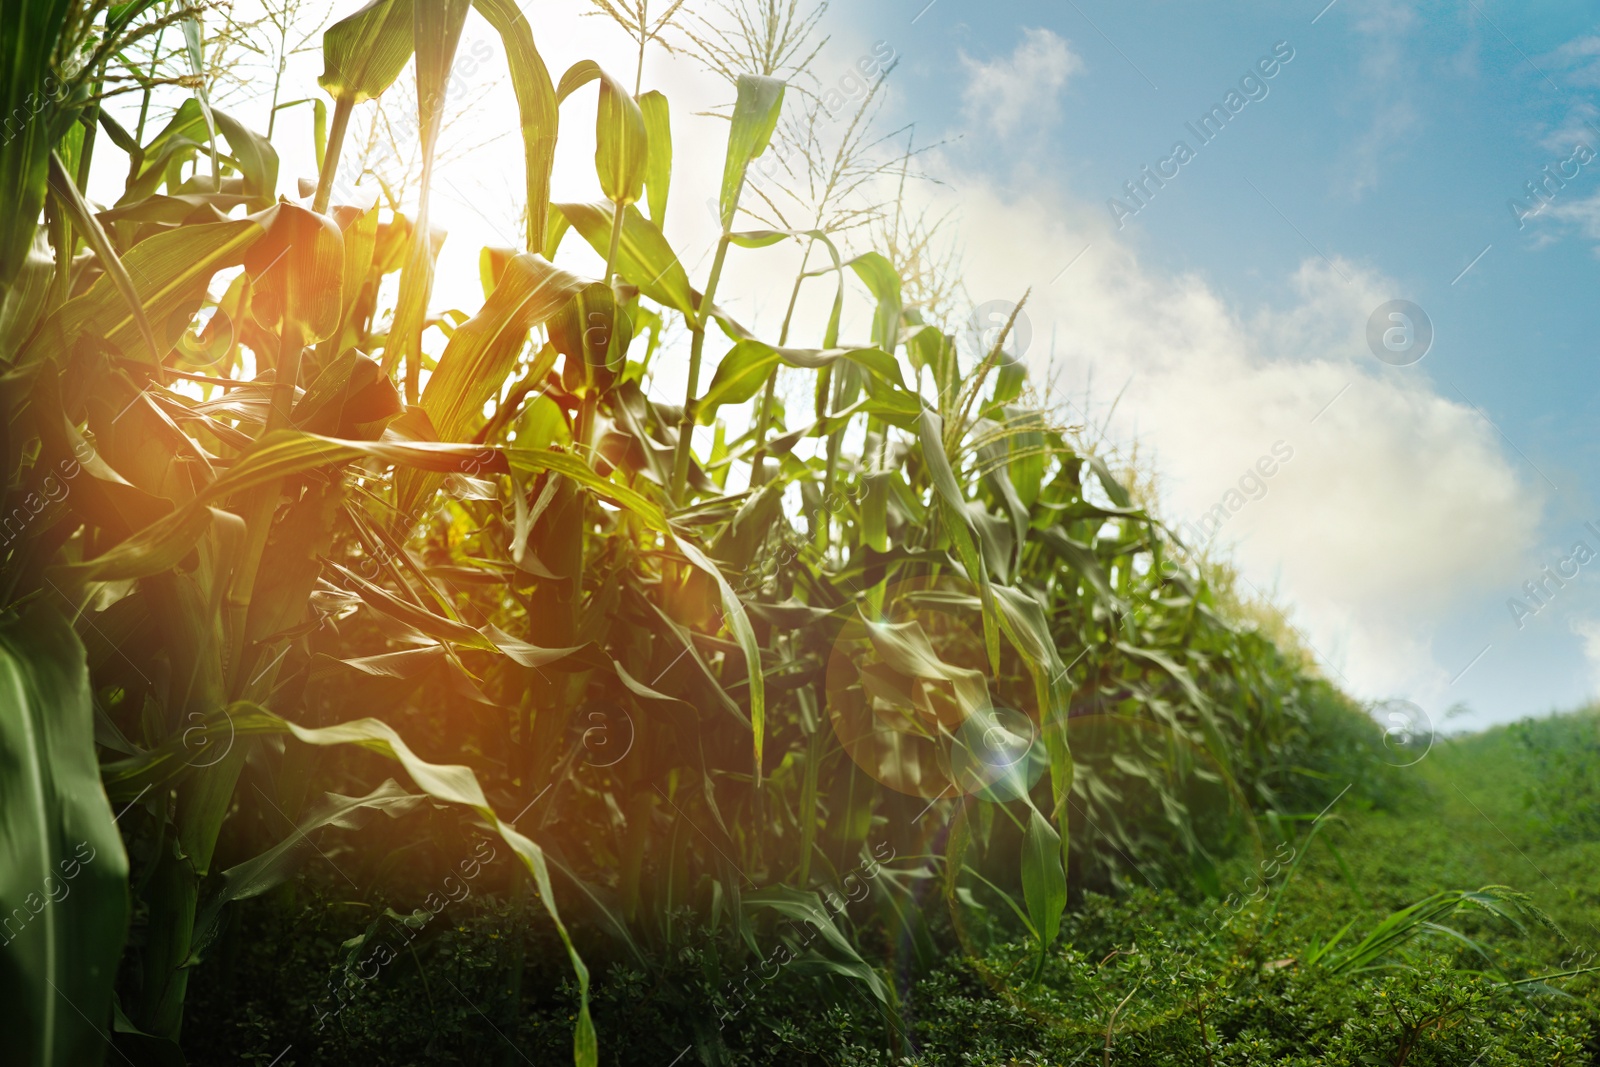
x=1469, y=817
x=1468, y=823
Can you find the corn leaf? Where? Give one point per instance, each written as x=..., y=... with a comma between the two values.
x=1027, y=625
x=31, y=88
x=755, y=116
x=274, y=866
x=644, y=258
x=280, y=454
x=883, y=280
x=536, y=110
x=747, y=366
x=363, y=53
x=658, y=164
x=436, y=27
x=455, y=784
x=297, y=274
x=593, y=333
x=475, y=363
x=63, y=891
x=170, y=271
x=1044, y=881
x=738, y=622
x=360, y=230
x=953, y=510
x=66, y=192
x=621, y=144
x=805, y=906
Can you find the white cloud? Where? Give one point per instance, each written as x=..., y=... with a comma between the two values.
x=1382, y=91
x=1398, y=503
x=1583, y=214
x=1579, y=59
x=1002, y=93
x=1391, y=123
x=1576, y=127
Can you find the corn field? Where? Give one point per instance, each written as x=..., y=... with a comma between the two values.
x=294, y=562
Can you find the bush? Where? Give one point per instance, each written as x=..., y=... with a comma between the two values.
x=1564, y=774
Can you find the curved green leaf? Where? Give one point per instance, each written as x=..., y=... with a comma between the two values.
x=272, y=867
x=170, y=272
x=63, y=892
x=621, y=144
x=297, y=274
x=755, y=116
x=436, y=27
x=644, y=258
x=1044, y=880
x=537, y=110
x=953, y=512
x=734, y=617
x=71, y=200
x=364, y=53
x=658, y=163
x=880, y=276
x=455, y=784
x=748, y=365
x=475, y=363
x=282, y=453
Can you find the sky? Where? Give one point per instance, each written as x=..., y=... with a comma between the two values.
x=1223, y=309
x=1228, y=306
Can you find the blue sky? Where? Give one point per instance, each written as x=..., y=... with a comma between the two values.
x=1382, y=158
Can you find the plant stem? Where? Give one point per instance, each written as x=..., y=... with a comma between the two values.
x=644, y=39
x=681, y=458
x=277, y=78
x=259, y=512
x=835, y=441
x=91, y=123
x=764, y=418
x=330, y=156
x=285, y=377
x=1112, y=1022
x=586, y=407
x=619, y=214
x=144, y=104
x=62, y=240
